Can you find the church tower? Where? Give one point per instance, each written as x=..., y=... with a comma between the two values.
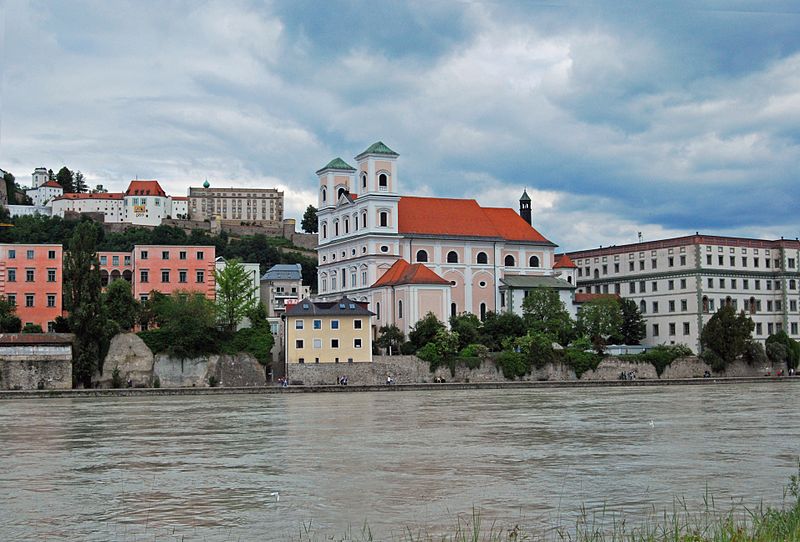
x=525, y=207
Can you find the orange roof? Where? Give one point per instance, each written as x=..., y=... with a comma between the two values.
x=463, y=218
x=564, y=261
x=145, y=188
x=98, y=195
x=402, y=272
x=52, y=184
x=180, y=198
x=583, y=298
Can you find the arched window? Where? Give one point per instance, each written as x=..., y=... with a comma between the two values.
x=324, y=194
x=452, y=257
x=534, y=261
x=399, y=308
x=340, y=192
x=597, y=273
x=335, y=228
x=324, y=230
x=705, y=304
x=453, y=309
x=642, y=306
x=347, y=225
x=482, y=257
x=378, y=310
x=510, y=261
x=384, y=219
x=383, y=181
x=569, y=279
x=753, y=305
x=364, y=219
x=483, y=312
x=363, y=180
x=355, y=222
x=422, y=256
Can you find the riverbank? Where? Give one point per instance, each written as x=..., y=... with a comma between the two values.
x=140, y=392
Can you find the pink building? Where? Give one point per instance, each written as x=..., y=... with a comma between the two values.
x=31, y=277
x=169, y=269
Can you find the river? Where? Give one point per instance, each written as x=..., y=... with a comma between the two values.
x=265, y=467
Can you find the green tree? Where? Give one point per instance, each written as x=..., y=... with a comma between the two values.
x=79, y=183
x=9, y=321
x=633, y=329
x=390, y=338
x=544, y=312
x=32, y=328
x=424, y=331
x=600, y=319
x=236, y=295
x=498, y=327
x=791, y=346
x=258, y=316
x=468, y=327
x=188, y=324
x=121, y=307
x=309, y=223
x=83, y=301
x=64, y=177
x=726, y=335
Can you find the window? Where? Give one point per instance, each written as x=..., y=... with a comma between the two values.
x=641, y=265
x=115, y=260
x=722, y=283
x=298, y=324
x=12, y=275
x=143, y=255
x=482, y=258
x=201, y=276
x=672, y=306
x=683, y=260
x=144, y=276
x=317, y=343
x=384, y=219
x=422, y=256
x=29, y=275
x=377, y=311
x=686, y=328
x=51, y=275
x=755, y=262
x=655, y=307
x=356, y=343
x=683, y=284
x=383, y=181
x=363, y=180
x=182, y=276
x=654, y=286
x=671, y=261
x=655, y=330
x=200, y=254
x=51, y=300
x=334, y=324
x=670, y=285
x=483, y=311
x=790, y=263
x=684, y=305
x=29, y=300
x=399, y=308
x=758, y=284
x=794, y=328
x=710, y=282
x=164, y=276
x=12, y=254
x=298, y=343
x=672, y=329
x=720, y=259
x=630, y=266
x=12, y=299
x=616, y=268
x=182, y=255
x=642, y=287
x=357, y=324
x=733, y=261
x=509, y=261
x=334, y=343
x=29, y=254
x=632, y=288
x=126, y=260
x=165, y=254
x=452, y=257
x=534, y=262
x=708, y=259
x=51, y=254
x=759, y=328
x=317, y=324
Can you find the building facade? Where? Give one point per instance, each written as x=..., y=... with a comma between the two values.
x=254, y=205
x=679, y=283
x=109, y=204
x=31, y=279
x=282, y=286
x=328, y=332
x=366, y=226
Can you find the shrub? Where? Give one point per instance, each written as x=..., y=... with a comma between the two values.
x=116, y=378
x=407, y=348
x=156, y=382
x=430, y=353
x=754, y=353
x=714, y=360
x=512, y=364
x=777, y=353
x=255, y=341
x=212, y=381
x=471, y=362
x=661, y=356
x=157, y=340
x=32, y=328
x=580, y=360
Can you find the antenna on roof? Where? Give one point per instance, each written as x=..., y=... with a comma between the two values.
x=641, y=239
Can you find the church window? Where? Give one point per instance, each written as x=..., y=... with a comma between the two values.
x=363, y=180
x=346, y=225
x=400, y=308
x=482, y=258
x=340, y=192
x=483, y=312
x=383, y=181
x=324, y=194
x=378, y=310
x=534, y=261
x=335, y=228
x=453, y=309
x=324, y=230
x=509, y=261
x=422, y=256
x=384, y=219
x=364, y=219
x=452, y=257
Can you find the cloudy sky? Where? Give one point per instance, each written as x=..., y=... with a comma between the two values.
x=618, y=116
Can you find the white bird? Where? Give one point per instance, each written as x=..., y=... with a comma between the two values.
x=276, y=495
x=652, y=423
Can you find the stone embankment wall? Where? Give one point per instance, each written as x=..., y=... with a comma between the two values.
x=137, y=364
x=27, y=367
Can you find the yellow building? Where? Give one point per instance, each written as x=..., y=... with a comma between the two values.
x=328, y=332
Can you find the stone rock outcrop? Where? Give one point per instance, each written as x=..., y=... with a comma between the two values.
x=240, y=370
x=692, y=367
x=134, y=359
x=610, y=369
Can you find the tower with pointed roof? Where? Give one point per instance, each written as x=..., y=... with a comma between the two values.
x=525, y=207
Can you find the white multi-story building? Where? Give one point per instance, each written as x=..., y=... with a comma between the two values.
x=43, y=190
x=679, y=283
x=109, y=204
x=281, y=287
x=145, y=203
x=259, y=205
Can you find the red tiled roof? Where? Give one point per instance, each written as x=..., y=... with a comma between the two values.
x=145, y=188
x=98, y=195
x=462, y=217
x=564, y=261
x=52, y=184
x=402, y=272
x=180, y=198
x=583, y=298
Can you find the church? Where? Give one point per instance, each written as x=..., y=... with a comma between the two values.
x=406, y=256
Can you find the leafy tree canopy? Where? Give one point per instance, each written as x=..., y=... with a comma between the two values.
x=600, y=319
x=309, y=222
x=236, y=295
x=425, y=331
x=545, y=313
x=390, y=338
x=468, y=327
x=633, y=329
x=726, y=335
x=499, y=326
x=120, y=304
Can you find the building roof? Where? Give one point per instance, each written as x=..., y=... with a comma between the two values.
x=402, y=272
x=97, y=195
x=696, y=239
x=585, y=298
x=284, y=271
x=21, y=339
x=336, y=163
x=340, y=307
x=180, y=198
x=525, y=196
x=535, y=281
x=378, y=148
x=52, y=184
x=145, y=188
x=564, y=262
x=463, y=218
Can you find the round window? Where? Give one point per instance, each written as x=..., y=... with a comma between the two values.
x=452, y=283
x=482, y=284
x=384, y=248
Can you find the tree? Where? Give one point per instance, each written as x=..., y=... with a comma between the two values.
x=600, y=319
x=120, y=304
x=309, y=223
x=83, y=301
x=792, y=347
x=390, y=339
x=497, y=327
x=726, y=335
x=65, y=179
x=9, y=322
x=468, y=327
x=545, y=313
x=236, y=295
x=424, y=331
x=633, y=329
x=32, y=328
x=188, y=323
x=79, y=183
